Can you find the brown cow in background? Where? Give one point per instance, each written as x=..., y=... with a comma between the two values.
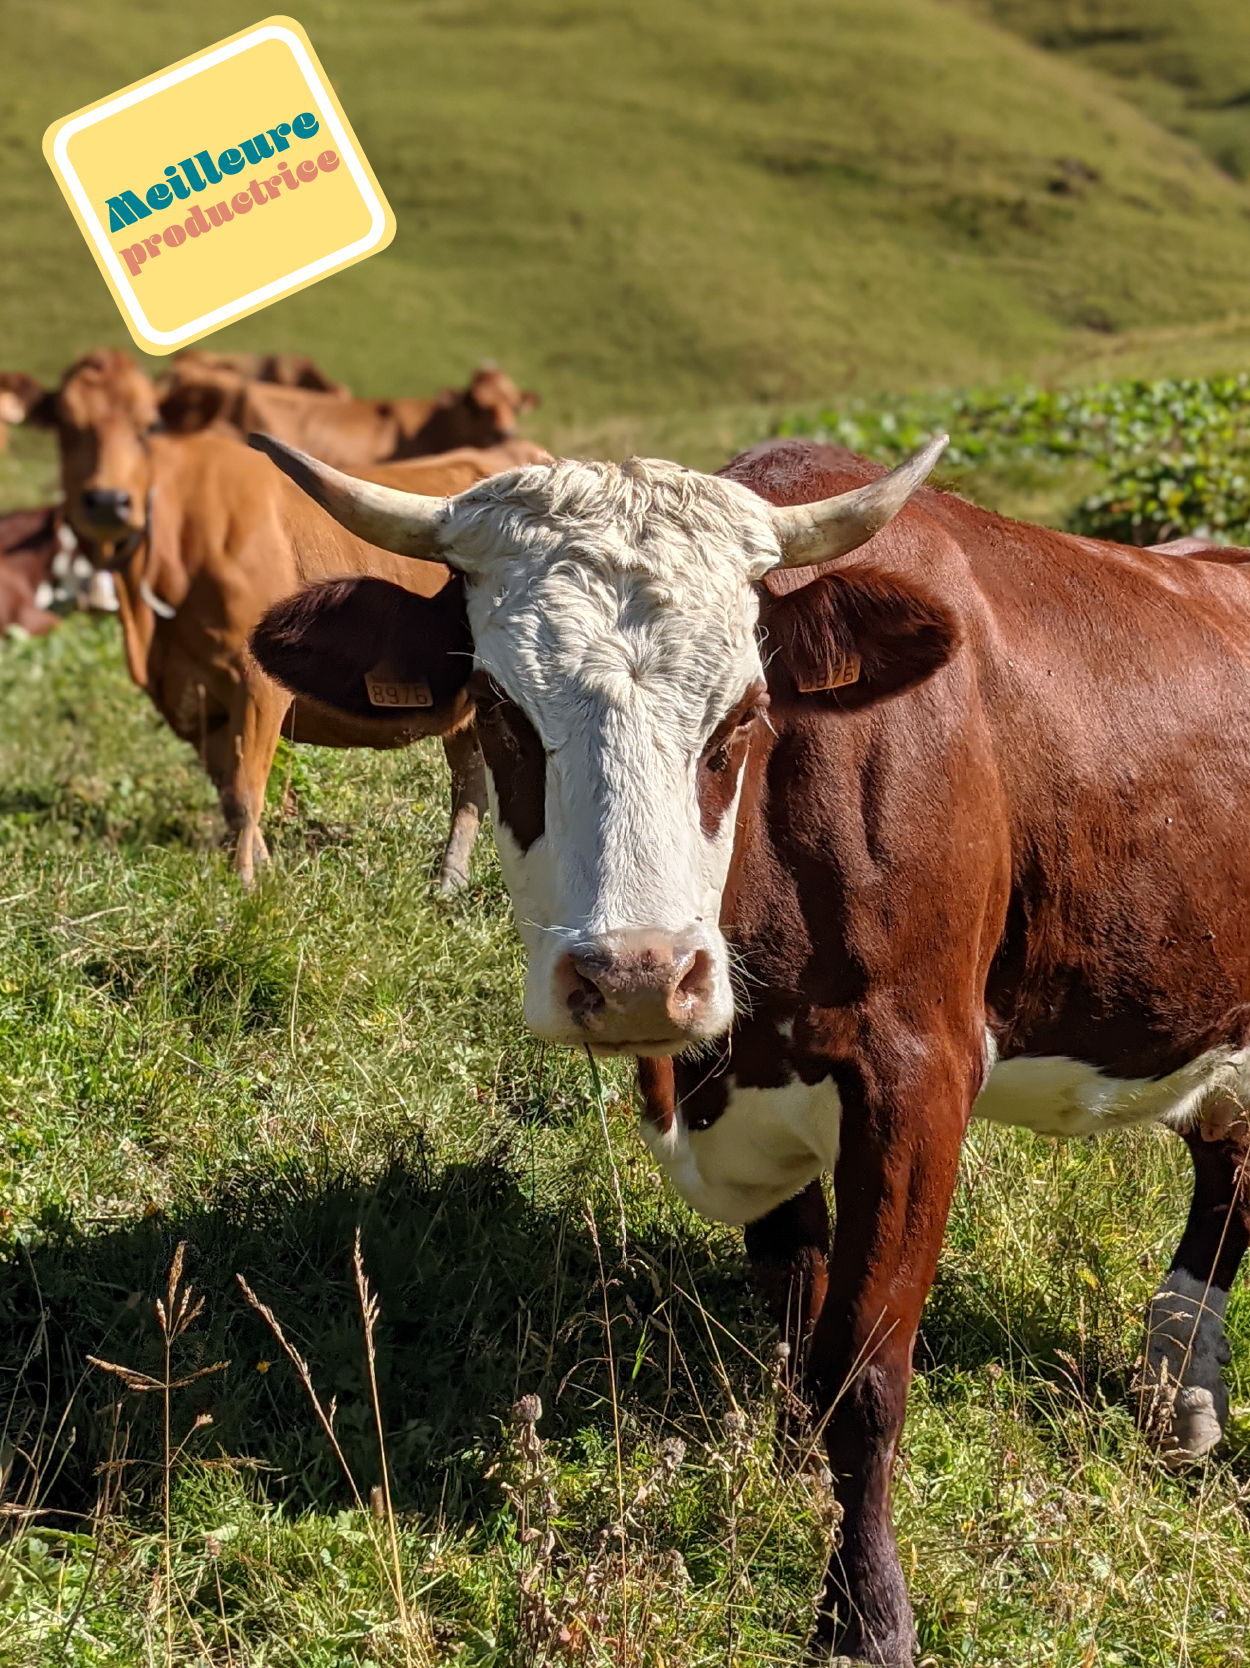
x=351, y=433
x=287, y=370
x=203, y=536
x=29, y=544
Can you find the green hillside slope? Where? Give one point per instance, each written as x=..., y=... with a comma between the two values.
x=1186, y=63
x=672, y=203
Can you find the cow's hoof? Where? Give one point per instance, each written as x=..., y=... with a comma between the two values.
x=889, y=1642
x=1182, y=1399
x=451, y=881
x=1197, y=1427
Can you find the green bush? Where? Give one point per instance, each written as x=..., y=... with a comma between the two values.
x=1170, y=453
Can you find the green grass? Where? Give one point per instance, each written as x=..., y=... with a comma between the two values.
x=668, y=205
x=256, y=1075
x=1184, y=63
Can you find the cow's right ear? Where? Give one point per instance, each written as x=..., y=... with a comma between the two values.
x=370, y=649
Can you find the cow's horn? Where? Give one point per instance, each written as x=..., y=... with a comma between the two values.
x=818, y=532
x=405, y=522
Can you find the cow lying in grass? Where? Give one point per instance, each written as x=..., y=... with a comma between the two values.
x=203, y=536
x=28, y=547
x=964, y=799
x=349, y=433
x=288, y=370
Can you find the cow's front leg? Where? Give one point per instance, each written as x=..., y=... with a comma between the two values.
x=1184, y=1401
x=239, y=756
x=892, y=1187
x=789, y=1252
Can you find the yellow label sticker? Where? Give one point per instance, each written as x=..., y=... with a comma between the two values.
x=219, y=185
x=837, y=674
x=386, y=691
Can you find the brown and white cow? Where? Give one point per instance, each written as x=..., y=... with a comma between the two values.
x=912, y=814
x=203, y=536
x=351, y=433
x=29, y=545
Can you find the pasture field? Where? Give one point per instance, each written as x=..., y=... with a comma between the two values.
x=256, y=1076
x=1185, y=63
x=687, y=232
x=668, y=205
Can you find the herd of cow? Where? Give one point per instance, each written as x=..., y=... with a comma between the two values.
x=851, y=810
x=198, y=536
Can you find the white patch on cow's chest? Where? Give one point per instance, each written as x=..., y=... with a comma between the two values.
x=768, y=1144
x=1053, y=1095
x=763, y=1149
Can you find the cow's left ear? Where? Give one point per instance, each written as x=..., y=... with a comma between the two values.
x=529, y=401
x=856, y=636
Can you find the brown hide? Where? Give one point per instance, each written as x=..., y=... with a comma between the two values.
x=1087, y=739
x=352, y=433
x=288, y=370
x=230, y=536
x=210, y=533
x=1044, y=835
x=448, y=473
x=28, y=544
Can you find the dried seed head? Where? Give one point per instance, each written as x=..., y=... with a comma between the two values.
x=674, y=1567
x=735, y=1423
x=782, y=1352
x=528, y=1411
x=672, y=1452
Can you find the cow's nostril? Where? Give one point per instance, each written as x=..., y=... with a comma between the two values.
x=695, y=985
x=106, y=502
x=584, y=995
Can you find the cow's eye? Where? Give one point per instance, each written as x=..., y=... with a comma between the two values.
x=719, y=753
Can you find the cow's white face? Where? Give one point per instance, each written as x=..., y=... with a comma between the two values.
x=617, y=684
x=614, y=619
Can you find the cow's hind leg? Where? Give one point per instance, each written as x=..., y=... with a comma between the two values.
x=1184, y=1402
x=468, y=807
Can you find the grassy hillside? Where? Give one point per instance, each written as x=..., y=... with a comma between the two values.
x=672, y=204
x=1185, y=63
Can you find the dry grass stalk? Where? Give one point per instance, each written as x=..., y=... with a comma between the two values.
x=176, y=1313
x=369, y=1316
x=412, y=1632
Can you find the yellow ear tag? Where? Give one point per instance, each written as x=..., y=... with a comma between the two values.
x=386, y=690
x=837, y=674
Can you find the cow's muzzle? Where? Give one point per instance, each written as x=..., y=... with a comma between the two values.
x=639, y=991
x=107, y=508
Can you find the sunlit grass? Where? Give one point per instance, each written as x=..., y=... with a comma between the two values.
x=258, y=1074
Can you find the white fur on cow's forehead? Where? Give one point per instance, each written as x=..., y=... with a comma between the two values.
x=626, y=585
x=674, y=524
